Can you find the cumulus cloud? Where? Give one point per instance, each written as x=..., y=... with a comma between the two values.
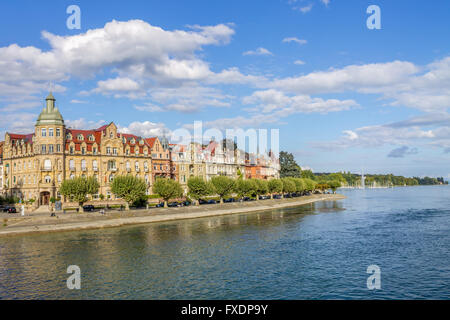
x=145, y=129
x=84, y=124
x=299, y=62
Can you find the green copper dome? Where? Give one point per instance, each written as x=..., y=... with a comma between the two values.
x=50, y=114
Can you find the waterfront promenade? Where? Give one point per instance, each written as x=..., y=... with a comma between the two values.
x=94, y=220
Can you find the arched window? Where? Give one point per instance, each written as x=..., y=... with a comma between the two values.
x=94, y=165
x=47, y=179
x=136, y=165
x=72, y=164
x=83, y=165
x=80, y=137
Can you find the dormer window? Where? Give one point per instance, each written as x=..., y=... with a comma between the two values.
x=80, y=137
x=133, y=141
x=69, y=136
x=91, y=138
x=141, y=142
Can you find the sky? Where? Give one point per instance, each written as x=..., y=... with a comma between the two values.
x=343, y=97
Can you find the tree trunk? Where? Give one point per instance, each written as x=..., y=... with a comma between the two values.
x=127, y=206
x=271, y=196
x=221, y=200
x=165, y=204
x=80, y=207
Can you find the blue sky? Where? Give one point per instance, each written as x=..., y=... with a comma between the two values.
x=343, y=97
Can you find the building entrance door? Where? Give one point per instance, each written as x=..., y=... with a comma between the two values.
x=45, y=198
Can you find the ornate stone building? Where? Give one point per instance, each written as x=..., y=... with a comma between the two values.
x=36, y=164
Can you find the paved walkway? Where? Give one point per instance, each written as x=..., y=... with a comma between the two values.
x=93, y=220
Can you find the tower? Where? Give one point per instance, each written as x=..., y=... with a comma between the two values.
x=49, y=150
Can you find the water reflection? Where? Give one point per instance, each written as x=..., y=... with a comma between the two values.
x=314, y=251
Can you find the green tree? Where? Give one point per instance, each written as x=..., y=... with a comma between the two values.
x=244, y=188
x=275, y=186
x=310, y=184
x=223, y=186
x=261, y=187
x=78, y=189
x=300, y=185
x=129, y=188
x=167, y=189
x=334, y=184
x=308, y=174
x=288, y=166
x=198, y=188
x=288, y=185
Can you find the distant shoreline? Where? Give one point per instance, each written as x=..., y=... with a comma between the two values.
x=17, y=226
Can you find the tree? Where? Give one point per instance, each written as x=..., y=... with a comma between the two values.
x=167, y=189
x=334, y=184
x=300, y=185
x=310, y=184
x=308, y=174
x=198, y=188
x=261, y=187
x=129, y=188
x=77, y=189
x=244, y=188
x=223, y=186
x=275, y=186
x=288, y=166
x=288, y=185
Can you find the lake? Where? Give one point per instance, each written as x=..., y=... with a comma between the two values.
x=318, y=251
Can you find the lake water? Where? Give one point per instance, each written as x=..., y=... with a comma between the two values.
x=318, y=251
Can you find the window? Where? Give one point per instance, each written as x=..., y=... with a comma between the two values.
x=111, y=177
x=83, y=165
x=43, y=149
x=48, y=179
x=47, y=164
x=160, y=156
x=72, y=164
x=58, y=132
x=94, y=165
x=83, y=150
x=108, y=150
x=111, y=164
x=91, y=138
x=50, y=132
x=136, y=165
x=71, y=150
x=59, y=178
x=50, y=148
x=80, y=137
x=43, y=132
x=94, y=150
x=115, y=151
x=58, y=148
x=69, y=136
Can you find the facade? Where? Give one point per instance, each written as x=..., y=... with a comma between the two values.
x=219, y=161
x=162, y=165
x=1, y=167
x=35, y=164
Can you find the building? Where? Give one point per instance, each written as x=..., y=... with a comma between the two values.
x=35, y=164
x=162, y=165
x=1, y=167
x=219, y=161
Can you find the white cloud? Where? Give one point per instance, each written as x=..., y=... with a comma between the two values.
x=306, y=8
x=299, y=62
x=294, y=39
x=145, y=129
x=258, y=52
x=84, y=124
